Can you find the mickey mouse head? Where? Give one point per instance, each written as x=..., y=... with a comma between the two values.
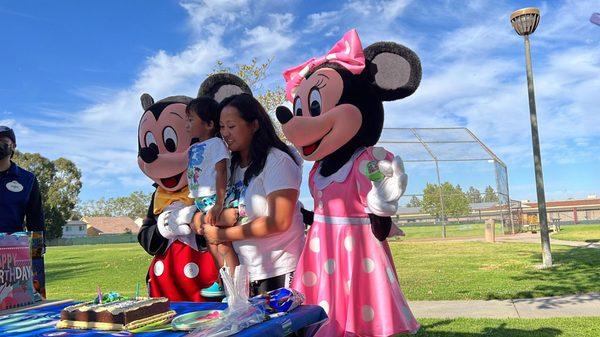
x=163, y=136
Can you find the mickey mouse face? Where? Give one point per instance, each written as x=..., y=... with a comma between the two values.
x=164, y=136
x=164, y=141
x=320, y=124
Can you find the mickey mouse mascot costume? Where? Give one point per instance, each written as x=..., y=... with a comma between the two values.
x=346, y=266
x=181, y=266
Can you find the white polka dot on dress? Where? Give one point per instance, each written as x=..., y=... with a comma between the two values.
x=325, y=305
x=368, y=313
x=329, y=266
x=314, y=245
x=191, y=270
x=309, y=279
x=349, y=243
x=159, y=268
x=368, y=265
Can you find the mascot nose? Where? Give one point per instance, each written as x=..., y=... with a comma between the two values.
x=283, y=114
x=149, y=154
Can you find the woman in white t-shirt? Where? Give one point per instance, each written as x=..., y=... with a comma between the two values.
x=267, y=176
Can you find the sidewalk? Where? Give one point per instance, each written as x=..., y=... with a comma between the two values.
x=535, y=238
x=545, y=307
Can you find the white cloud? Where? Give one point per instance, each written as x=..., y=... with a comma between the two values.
x=205, y=15
x=268, y=41
x=318, y=21
x=473, y=76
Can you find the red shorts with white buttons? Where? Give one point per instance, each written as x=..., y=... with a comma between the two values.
x=181, y=273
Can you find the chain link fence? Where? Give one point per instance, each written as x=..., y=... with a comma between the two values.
x=456, y=156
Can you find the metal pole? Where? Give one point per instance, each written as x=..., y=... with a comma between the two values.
x=437, y=169
x=537, y=159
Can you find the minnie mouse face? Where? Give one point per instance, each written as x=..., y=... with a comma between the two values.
x=337, y=99
x=163, y=142
x=321, y=124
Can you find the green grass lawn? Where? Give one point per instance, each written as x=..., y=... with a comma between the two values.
x=452, y=231
x=477, y=270
x=427, y=270
x=75, y=271
x=588, y=233
x=554, y=327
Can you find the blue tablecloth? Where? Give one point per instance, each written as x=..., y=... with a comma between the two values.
x=42, y=321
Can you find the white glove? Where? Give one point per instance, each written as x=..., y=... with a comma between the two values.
x=183, y=216
x=383, y=197
x=168, y=226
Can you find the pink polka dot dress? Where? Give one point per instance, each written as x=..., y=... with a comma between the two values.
x=343, y=267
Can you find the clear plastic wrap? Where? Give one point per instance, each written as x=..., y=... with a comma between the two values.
x=240, y=313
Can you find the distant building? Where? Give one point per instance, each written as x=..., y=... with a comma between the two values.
x=568, y=210
x=74, y=229
x=573, y=210
x=103, y=225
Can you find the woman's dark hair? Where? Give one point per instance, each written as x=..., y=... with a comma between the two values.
x=207, y=109
x=264, y=138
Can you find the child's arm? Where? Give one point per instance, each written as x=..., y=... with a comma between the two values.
x=221, y=184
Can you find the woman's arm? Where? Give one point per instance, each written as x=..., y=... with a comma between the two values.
x=282, y=204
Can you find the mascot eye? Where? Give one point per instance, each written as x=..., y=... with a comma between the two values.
x=170, y=139
x=149, y=139
x=298, y=107
x=315, y=102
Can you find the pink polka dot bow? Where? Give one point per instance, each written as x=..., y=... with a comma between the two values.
x=347, y=52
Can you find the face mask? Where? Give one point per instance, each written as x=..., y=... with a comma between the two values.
x=5, y=151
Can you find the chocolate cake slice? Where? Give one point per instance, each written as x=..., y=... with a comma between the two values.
x=116, y=315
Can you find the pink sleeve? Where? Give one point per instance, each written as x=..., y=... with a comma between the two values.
x=362, y=181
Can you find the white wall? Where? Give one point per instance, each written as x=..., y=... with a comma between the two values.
x=76, y=231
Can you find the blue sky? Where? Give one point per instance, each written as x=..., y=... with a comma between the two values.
x=73, y=71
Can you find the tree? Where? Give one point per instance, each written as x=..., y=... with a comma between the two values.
x=414, y=202
x=254, y=74
x=474, y=195
x=490, y=195
x=60, y=183
x=134, y=206
x=456, y=202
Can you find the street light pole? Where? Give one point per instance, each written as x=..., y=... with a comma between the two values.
x=525, y=22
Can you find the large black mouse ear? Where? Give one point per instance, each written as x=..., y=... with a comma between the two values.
x=147, y=101
x=395, y=71
x=222, y=85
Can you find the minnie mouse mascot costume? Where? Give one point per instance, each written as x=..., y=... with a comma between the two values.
x=346, y=266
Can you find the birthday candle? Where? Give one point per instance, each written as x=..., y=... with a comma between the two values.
x=99, y=295
x=137, y=290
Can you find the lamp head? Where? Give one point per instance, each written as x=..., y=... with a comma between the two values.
x=525, y=20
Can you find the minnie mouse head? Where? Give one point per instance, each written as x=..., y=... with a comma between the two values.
x=337, y=98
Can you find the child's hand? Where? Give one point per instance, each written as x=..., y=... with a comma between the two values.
x=228, y=217
x=213, y=215
x=196, y=224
